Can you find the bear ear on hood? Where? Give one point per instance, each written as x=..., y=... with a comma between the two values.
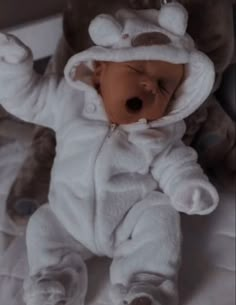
x=105, y=30
x=174, y=18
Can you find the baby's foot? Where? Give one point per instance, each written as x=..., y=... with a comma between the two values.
x=142, y=300
x=44, y=292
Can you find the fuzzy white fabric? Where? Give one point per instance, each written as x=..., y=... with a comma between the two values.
x=208, y=269
x=105, y=29
x=112, y=189
x=174, y=17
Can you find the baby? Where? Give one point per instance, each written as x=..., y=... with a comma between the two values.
x=118, y=117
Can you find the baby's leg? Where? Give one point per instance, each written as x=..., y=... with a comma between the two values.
x=58, y=273
x=145, y=265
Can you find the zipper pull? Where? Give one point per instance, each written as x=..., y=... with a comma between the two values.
x=111, y=129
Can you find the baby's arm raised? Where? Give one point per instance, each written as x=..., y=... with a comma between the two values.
x=23, y=92
x=183, y=180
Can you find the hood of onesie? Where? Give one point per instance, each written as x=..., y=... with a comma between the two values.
x=148, y=35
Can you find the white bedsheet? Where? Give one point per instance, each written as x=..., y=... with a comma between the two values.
x=207, y=276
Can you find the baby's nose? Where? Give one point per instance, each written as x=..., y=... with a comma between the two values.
x=149, y=85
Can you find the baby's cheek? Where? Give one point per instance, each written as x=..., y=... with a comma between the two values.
x=156, y=112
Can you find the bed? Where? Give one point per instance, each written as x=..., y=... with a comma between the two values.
x=207, y=275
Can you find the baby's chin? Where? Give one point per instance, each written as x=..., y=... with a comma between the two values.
x=117, y=120
x=125, y=119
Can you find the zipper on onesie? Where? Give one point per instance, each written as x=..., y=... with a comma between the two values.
x=112, y=128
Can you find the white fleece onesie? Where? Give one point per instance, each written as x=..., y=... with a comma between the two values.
x=115, y=190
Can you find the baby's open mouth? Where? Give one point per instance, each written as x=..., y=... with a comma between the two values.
x=134, y=105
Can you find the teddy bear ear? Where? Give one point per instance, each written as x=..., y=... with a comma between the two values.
x=104, y=30
x=174, y=18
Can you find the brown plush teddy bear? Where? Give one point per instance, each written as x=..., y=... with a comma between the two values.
x=30, y=188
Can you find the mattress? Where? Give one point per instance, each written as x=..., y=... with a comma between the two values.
x=207, y=275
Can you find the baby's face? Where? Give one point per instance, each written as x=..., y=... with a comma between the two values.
x=135, y=90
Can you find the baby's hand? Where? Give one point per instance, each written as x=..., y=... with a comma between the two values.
x=12, y=50
x=196, y=198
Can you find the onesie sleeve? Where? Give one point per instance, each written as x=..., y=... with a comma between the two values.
x=183, y=180
x=23, y=92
